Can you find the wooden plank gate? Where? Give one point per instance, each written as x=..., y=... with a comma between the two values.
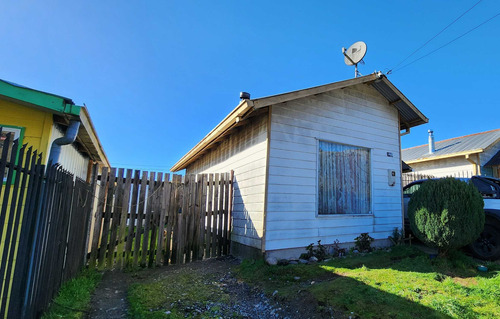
x=158, y=219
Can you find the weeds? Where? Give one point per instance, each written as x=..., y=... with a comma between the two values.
x=73, y=300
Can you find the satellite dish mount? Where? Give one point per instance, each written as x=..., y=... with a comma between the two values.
x=355, y=55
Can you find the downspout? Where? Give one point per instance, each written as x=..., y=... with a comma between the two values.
x=68, y=138
x=55, y=150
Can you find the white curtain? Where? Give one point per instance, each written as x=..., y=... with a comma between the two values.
x=344, y=179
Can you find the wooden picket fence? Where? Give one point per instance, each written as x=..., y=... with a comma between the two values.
x=152, y=219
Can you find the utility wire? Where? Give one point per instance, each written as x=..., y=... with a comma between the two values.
x=423, y=45
x=462, y=35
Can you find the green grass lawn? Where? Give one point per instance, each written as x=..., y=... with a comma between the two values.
x=402, y=283
x=73, y=300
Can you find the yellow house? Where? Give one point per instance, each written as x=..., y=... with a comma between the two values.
x=38, y=119
x=54, y=126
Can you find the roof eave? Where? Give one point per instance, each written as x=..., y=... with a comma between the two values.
x=285, y=97
x=41, y=100
x=427, y=159
x=420, y=117
x=247, y=106
x=227, y=123
x=94, y=144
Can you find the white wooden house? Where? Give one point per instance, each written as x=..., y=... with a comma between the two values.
x=323, y=163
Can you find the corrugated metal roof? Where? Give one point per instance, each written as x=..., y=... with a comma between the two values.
x=409, y=114
x=469, y=143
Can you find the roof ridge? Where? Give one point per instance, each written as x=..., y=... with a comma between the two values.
x=454, y=138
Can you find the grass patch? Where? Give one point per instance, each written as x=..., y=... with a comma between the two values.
x=402, y=283
x=181, y=294
x=73, y=300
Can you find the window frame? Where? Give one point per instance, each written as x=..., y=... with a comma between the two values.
x=370, y=174
x=19, y=134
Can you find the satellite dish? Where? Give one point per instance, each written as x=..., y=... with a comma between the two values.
x=354, y=55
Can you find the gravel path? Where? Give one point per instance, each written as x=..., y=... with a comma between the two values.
x=109, y=300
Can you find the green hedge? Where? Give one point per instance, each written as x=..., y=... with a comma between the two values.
x=446, y=213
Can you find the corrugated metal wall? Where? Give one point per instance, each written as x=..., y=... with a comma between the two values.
x=71, y=159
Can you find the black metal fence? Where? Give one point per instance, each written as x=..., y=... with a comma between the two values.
x=411, y=177
x=43, y=226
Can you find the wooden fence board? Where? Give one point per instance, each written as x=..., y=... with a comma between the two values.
x=225, y=239
x=124, y=209
x=140, y=218
x=133, y=218
x=208, y=239
x=147, y=219
x=155, y=216
x=115, y=219
x=215, y=214
x=162, y=219
x=164, y=203
x=98, y=218
x=103, y=248
x=220, y=215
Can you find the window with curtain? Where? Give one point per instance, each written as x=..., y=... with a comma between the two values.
x=343, y=179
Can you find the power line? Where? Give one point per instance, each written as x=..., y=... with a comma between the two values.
x=460, y=36
x=423, y=45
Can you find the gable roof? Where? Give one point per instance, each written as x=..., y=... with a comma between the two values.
x=457, y=146
x=410, y=116
x=495, y=160
x=58, y=105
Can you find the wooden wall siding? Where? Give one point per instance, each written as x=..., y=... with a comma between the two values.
x=443, y=167
x=245, y=153
x=71, y=159
x=356, y=116
x=146, y=219
x=38, y=124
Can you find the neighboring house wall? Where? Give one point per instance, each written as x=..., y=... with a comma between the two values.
x=444, y=167
x=358, y=116
x=37, y=124
x=70, y=158
x=245, y=153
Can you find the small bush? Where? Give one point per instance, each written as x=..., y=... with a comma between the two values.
x=446, y=213
x=397, y=237
x=318, y=252
x=363, y=242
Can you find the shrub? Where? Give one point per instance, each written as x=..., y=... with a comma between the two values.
x=319, y=252
x=363, y=242
x=446, y=213
x=397, y=237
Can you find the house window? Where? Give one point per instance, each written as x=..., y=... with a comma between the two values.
x=17, y=133
x=343, y=179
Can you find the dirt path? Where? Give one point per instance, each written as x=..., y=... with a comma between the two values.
x=109, y=300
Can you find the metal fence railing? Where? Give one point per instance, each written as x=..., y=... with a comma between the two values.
x=44, y=216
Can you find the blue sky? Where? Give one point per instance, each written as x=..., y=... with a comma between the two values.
x=157, y=76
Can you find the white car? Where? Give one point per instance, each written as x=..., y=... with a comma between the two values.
x=487, y=246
